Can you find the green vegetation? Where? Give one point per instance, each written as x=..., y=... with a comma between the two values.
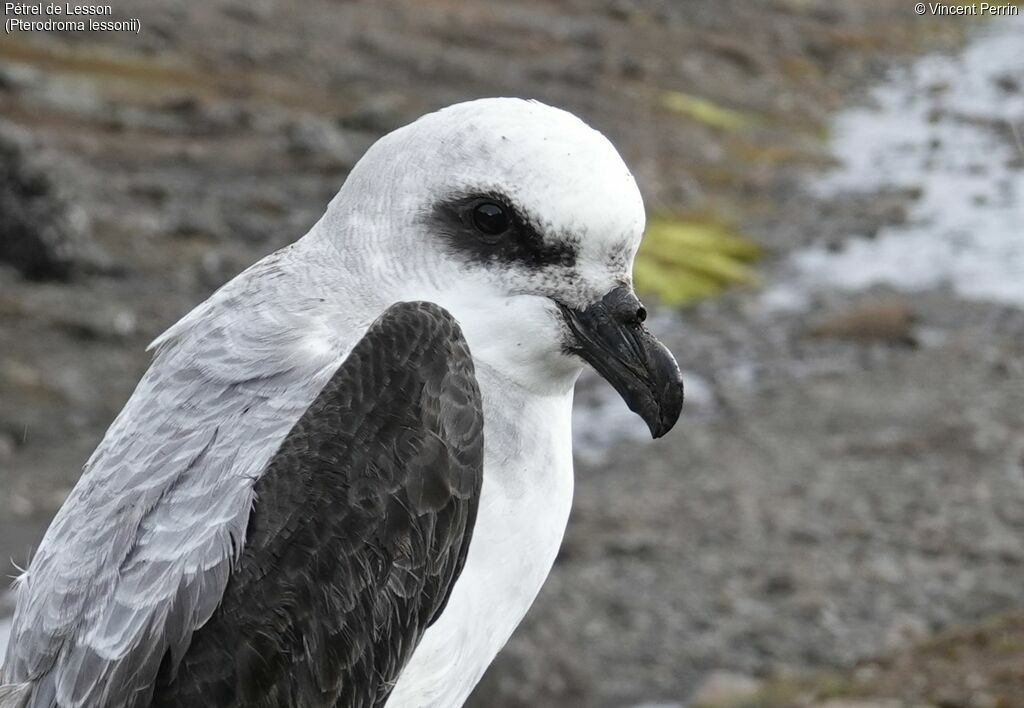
x=706, y=111
x=688, y=257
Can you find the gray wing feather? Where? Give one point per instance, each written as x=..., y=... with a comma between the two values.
x=139, y=555
x=15, y=695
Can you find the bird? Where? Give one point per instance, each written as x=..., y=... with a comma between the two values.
x=346, y=475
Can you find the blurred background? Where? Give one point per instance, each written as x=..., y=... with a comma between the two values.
x=835, y=254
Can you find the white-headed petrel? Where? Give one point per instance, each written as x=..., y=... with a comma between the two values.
x=346, y=474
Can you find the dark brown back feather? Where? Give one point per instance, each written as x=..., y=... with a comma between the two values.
x=360, y=530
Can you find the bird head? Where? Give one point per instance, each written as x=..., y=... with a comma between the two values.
x=523, y=222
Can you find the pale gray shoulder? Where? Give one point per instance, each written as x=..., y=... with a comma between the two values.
x=139, y=554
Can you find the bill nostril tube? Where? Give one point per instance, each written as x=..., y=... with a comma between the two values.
x=622, y=304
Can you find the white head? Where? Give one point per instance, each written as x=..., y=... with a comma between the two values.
x=514, y=216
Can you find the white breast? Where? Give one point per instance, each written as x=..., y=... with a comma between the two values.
x=524, y=508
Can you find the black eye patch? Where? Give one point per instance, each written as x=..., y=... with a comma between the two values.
x=488, y=228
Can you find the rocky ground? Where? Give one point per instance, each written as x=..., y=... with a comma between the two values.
x=972, y=666
x=837, y=489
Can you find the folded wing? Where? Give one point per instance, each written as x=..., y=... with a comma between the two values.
x=360, y=528
x=309, y=567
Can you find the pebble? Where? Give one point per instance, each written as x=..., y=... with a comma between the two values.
x=723, y=688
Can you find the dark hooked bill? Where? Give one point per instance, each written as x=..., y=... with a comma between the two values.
x=611, y=337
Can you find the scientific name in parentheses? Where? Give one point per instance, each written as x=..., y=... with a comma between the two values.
x=53, y=8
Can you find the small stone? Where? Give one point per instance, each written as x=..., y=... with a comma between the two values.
x=875, y=320
x=983, y=700
x=860, y=703
x=320, y=142
x=55, y=499
x=379, y=114
x=779, y=584
x=1008, y=83
x=43, y=233
x=905, y=631
x=19, y=375
x=124, y=323
x=21, y=506
x=724, y=687
x=8, y=446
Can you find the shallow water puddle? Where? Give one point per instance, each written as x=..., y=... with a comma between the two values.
x=942, y=127
x=951, y=128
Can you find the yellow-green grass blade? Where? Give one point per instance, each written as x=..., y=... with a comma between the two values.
x=688, y=258
x=705, y=111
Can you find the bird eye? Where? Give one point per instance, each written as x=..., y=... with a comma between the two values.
x=490, y=218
